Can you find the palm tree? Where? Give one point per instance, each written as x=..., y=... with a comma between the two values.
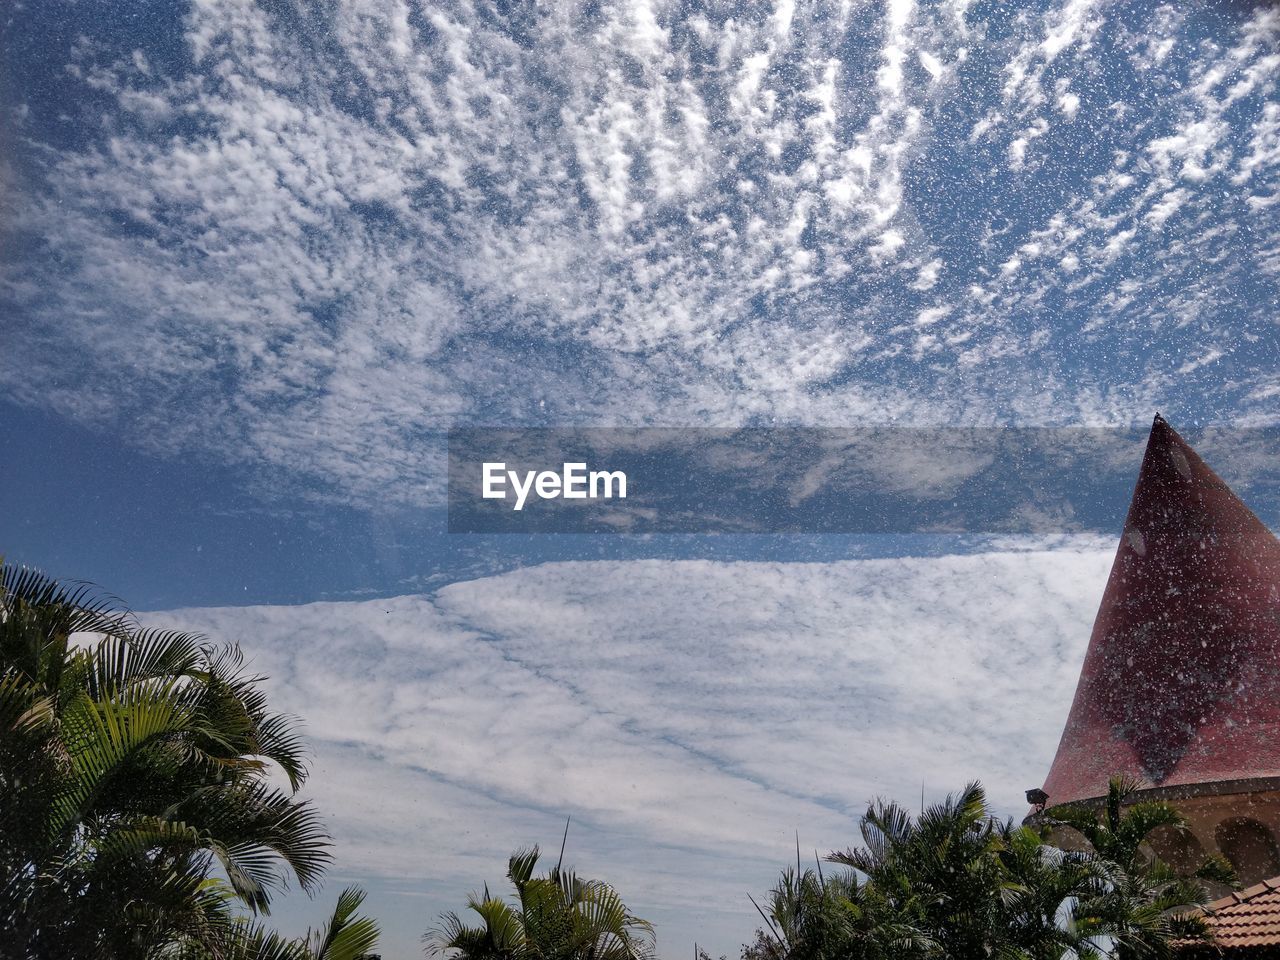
x=1144, y=904
x=812, y=916
x=345, y=936
x=1041, y=887
x=969, y=885
x=134, y=781
x=939, y=872
x=554, y=917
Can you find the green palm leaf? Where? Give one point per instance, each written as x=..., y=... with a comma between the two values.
x=143, y=759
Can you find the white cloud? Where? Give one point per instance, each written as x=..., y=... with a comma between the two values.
x=1071, y=23
x=926, y=318
x=690, y=716
x=932, y=64
x=1167, y=206
x=927, y=278
x=1209, y=356
x=889, y=243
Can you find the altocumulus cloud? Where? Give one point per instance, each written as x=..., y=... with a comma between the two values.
x=308, y=238
x=690, y=715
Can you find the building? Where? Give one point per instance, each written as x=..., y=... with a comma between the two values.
x=1180, y=687
x=1245, y=925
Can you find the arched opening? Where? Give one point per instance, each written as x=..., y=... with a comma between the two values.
x=1178, y=848
x=1250, y=847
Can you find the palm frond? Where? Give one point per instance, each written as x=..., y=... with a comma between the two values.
x=346, y=936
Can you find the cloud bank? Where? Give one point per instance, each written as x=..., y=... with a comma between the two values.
x=690, y=716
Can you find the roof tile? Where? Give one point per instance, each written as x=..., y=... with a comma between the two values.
x=1247, y=918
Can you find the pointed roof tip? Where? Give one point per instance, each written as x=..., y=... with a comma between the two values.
x=1162, y=432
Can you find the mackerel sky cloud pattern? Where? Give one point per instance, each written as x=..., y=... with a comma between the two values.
x=308, y=238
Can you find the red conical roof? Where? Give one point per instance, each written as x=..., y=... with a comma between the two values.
x=1181, y=682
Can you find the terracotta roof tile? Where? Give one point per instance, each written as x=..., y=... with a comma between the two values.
x=1247, y=918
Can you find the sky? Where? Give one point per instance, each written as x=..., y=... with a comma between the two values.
x=257, y=259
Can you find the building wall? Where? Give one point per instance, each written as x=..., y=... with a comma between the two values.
x=1244, y=828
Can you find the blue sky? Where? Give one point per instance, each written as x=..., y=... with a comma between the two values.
x=257, y=259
